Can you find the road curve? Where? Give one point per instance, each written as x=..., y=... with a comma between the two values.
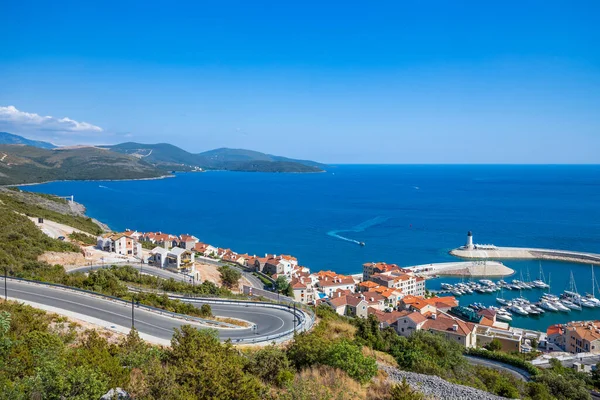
x=163, y=273
x=499, y=366
x=269, y=321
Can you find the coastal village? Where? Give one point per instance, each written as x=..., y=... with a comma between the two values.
x=396, y=296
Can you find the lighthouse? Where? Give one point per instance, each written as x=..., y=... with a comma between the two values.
x=469, y=244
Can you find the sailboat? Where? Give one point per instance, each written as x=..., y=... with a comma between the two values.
x=592, y=298
x=541, y=282
x=501, y=300
x=575, y=297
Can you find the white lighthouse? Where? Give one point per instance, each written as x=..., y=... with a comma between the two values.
x=469, y=244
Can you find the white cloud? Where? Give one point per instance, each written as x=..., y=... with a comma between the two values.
x=20, y=119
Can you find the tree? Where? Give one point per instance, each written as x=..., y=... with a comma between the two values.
x=403, y=391
x=281, y=284
x=494, y=345
x=534, y=344
x=206, y=310
x=349, y=358
x=207, y=369
x=271, y=365
x=229, y=276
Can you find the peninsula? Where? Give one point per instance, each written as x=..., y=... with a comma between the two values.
x=491, y=252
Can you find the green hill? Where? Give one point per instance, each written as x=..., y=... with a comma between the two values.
x=166, y=156
x=26, y=164
x=9, y=138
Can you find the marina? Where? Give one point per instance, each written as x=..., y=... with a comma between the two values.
x=527, y=303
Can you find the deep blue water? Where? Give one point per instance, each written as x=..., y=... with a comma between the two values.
x=406, y=214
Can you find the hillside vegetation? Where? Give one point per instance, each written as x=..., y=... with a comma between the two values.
x=9, y=138
x=27, y=164
x=167, y=156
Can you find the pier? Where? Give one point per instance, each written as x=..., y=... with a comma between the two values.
x=464, y=268
x=491, y=252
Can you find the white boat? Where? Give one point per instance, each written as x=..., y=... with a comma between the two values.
x=591, y=297
x=518, y=309
x=486, y=282
x=560, y=307
x=501, y=301
x=571, y=305
x=446, y=286
x=456, y=292
x=540, y=284
x=546, y=305
x=531, y=310
x=503, y=317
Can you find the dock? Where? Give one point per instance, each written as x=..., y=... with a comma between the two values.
x=491, y=252
x=523, y=253
x=464, y=268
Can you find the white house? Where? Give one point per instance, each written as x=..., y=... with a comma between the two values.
x=120, y=243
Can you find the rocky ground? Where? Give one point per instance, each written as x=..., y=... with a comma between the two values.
x=434, y=387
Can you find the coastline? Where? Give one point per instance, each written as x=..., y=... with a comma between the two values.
x=524, y=253
x=90, y=180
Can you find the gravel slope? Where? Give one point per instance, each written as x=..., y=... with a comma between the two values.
x=434, y=387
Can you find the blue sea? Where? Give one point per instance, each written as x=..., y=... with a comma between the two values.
x=405, y=214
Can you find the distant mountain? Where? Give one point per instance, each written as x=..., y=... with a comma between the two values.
x=9, y=138
x=26, y=164
x=171, y=157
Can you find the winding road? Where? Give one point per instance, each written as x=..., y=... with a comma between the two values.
x=271, y=321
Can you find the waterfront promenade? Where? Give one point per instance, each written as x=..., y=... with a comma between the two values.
x=492, y=269
x=522, y=253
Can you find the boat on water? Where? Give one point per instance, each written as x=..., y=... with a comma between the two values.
x=486, y=282
x=560, y=307
x=456, y=292
x=518, y=309
x=592, y=297
x=502, y=301
x=503, y=317
x=571, y=305
x=361, y=243
x=546, y=305
x=447, y=286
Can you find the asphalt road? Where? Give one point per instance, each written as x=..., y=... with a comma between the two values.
x=162, y=273
x=516, y=372
x=269, y=321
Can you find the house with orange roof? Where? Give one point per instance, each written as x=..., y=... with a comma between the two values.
x=349, y=305
x=328, y=282
x=134, y=234
x=119, y=243
x=454, y=329
x=555, y=335
x=365, y=286
x=407, y=282
x=279, y=266
x=369, y=269
x=304, y=291
x=187, y=241
x=582, y=337
x=386, y=319
x=410, y=322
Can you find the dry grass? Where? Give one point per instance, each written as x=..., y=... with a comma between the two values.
x=232, y=321
x=323, y=382
x=380, y=357
x=340, y=330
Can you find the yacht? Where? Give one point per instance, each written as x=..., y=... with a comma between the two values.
x=503, y=317
x=518, y=309
x=560, y=307
x=571, y=305
x=456, y=292
x=539, y=284
x=446, y=286
x=501, y=301
x=486, y=282
x=546, y=305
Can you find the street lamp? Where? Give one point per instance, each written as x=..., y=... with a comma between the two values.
x=5, y=285
x=133, y=304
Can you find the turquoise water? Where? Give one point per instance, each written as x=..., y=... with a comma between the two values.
x=405, y=214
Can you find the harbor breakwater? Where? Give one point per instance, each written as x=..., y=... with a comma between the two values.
x=522, y=253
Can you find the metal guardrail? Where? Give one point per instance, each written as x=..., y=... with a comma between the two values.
x=305, y=317
x=126, y=302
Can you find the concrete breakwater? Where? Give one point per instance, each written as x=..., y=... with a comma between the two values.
x=490, y=269
x=522, y=253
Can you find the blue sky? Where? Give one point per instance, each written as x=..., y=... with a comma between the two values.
x=341, y=82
